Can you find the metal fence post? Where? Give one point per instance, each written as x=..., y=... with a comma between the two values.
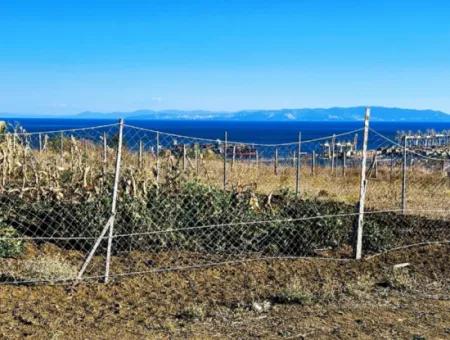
x=333, y=155
x=375, y=165
x=362, y=190
x=114, y=200
x=62, y=146
x=391, y=167
x=184, y=157
x=141, y=154
x=40, y=142
x=297, y=173
x=110, y=223
x=234, y=157
x=225, y=147
x=105, y=153
x=275, y=164
x=197, y=159
x=157, y=158
x=344, y=162
x=313, y=163
x=404, y=175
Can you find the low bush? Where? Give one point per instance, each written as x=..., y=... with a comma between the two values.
x=293, y=293
x=192, y=216
x=9, y=247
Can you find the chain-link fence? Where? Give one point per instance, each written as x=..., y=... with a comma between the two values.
x=117, y=200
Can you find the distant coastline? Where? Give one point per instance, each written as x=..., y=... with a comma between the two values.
x=336, y=114
x=242, y=131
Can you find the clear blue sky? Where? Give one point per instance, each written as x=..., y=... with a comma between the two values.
x=70, y=56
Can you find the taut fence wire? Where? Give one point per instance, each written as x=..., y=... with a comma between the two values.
x=114, y=200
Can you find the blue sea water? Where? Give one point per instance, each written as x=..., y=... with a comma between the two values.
x=243, y=131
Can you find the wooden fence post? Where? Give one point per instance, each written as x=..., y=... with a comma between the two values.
x=362, y=190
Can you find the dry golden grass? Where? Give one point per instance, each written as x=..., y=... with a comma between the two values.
x=81, y=167
x=425, y=190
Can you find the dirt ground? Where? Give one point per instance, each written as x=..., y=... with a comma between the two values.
x=289, y=299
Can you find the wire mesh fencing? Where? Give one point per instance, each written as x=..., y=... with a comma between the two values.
x=119, y=199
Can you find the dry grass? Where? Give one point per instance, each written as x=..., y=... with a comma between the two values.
x=193, y=312
x=48, y=268
x=81, y=168
x=295, y=293
x=425, y=190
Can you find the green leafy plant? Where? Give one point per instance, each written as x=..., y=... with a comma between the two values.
x=9, y=247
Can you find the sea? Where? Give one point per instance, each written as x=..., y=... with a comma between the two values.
x=272, y=132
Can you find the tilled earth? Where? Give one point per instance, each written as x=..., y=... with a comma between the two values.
x=266, y=299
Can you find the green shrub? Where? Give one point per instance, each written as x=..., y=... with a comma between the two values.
x=191, y=216
x=9, y=247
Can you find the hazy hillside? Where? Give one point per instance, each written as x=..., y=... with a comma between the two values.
x=330, y=114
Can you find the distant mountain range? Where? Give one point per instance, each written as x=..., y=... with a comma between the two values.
x=381, y=114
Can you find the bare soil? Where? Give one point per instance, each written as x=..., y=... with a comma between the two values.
x=325, y=299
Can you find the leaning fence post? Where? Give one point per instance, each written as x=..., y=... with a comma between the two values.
x=225, y=147
x=297, y=172
x=404, y=175
x=362, y=190
x=114, y=200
